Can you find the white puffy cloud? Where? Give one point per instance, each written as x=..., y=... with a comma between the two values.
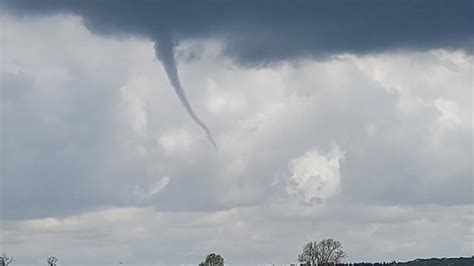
x=152, y=190
x=450, y=112
x=315, y=175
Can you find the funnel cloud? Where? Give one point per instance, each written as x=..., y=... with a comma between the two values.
x=164, y=51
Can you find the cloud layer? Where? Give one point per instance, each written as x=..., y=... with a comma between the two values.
x=268, y=31
x=97, y=157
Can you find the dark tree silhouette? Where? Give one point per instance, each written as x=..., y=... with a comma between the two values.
x=466, y=261
x=213, y=260
x=5, y=260
x=52, y=261
x=327, y=251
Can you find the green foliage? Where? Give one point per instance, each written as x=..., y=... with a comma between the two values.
x=52, y=261
x=5, y=260
x=213, y=260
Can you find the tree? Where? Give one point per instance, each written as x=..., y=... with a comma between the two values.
x=213, y=260
x=5, y=260
x=52, y=261
x=327, y=251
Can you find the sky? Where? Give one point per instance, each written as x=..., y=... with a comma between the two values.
x=349, y=120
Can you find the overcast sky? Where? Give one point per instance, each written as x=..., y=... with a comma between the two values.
x=350, y=120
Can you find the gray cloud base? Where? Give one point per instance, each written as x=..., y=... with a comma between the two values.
x=263, y=32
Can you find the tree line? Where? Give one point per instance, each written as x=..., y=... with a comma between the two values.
x=5, y=260
x=419, y=262
x=327, y=252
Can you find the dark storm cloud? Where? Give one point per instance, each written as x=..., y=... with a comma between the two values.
x=261, y=32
